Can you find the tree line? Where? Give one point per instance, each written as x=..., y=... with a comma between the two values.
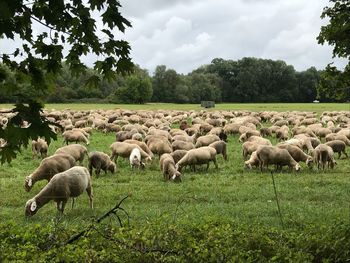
x=246, y=80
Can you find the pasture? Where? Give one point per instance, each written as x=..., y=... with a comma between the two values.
x=229, y=209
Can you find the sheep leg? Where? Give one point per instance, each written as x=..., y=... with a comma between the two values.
x=216, y=165
x=346, y=155
x=91, y=195
x=207, y=166
x=73, y=201
x=339, y=154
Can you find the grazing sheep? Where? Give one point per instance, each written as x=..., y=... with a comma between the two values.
x=206, y=140
x=274, y=155
x=249, y=148
x=265, y=132
x=124, y=150
x=336, y=136
x=253, y=160
x=181, y=145
x=39, y=146
x=297, y=154
x=245, y=136
x=77, y=151
x=159, y=145
x=142, y=145
x=202, y=155
x=48, y=168
x=220, y=147
x=178, y=154
x=167, y=166
x=100, y=160
x=135, y=159
x=74, y=136
x=70, y=183
x=324, y=155
x=124, y=135
x=282, y=133
x=259, y=140
x=338, y=146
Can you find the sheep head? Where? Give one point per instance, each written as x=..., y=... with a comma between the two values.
x=28, y=183
x=297, y=167
x=31, y=207
x=176, y=177
x=309, y=161
x=112, y=167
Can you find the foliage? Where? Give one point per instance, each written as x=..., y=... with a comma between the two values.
x=70, y=32
x=335, y=84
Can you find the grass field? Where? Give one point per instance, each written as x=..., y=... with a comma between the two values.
x=230, y=195
x=317, y=107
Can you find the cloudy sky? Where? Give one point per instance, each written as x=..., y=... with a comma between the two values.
x=184, y=34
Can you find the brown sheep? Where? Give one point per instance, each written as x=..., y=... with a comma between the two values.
x=202, y=155
x=48, y=168
x=297, y=154
x=77, y=151
x=74, y=136
x=124, y=150
x=167, y=166
x=323, y=155
x=221, y=148
x=338, y=146
x=39, y=146
x=274, y=155
x=206, y=140
x=178, y=154
x=100, y=160
x=182, y=145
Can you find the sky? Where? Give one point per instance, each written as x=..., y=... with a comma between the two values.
x=185, y=34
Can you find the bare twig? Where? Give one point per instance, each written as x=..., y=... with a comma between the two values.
x=110, y=212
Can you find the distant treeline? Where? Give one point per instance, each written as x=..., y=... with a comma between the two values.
x=245, y=80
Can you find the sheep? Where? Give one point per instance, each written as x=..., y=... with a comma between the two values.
x=70, y=183
x=159, y=145
x=124, y=150
x=124, y=135
x=48, y=168
x=259, y=140
x=202, y=155
x=323, y=155
x=142, y=145
x=181, y=145
x=253, y=160
x=265, y=132
x=249, y=148
x=178, y=154
x=167, y=166
x=135, y=159
x=274, y=155
x=206, y=140
x=100, y=160
x=39, y=146
x=338, y=146
x=248, y=134
x=336, y=136
x=297, y=154
x=322, y=132
x=77, y=151
x=282, y=133
x=221, y=148
x=74, y=136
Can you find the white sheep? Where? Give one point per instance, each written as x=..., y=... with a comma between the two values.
x=135, y=159
x=62, y=186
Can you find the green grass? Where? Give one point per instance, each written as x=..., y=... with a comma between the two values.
x=228, y=199
x=317, y=107
x=230, y=193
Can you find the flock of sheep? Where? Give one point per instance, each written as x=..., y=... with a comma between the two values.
x=142, y=135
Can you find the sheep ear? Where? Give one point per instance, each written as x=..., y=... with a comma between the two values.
x=33, y=206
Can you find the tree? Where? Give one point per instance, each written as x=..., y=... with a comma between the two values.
x=337, y=34
x=69, y=24
x=136, y=89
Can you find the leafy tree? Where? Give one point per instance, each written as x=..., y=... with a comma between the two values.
x=337, y=34
x=164, y=84
x=137, y=89
x=70, y=24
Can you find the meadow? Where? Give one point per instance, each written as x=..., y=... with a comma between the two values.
x=224, y=214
